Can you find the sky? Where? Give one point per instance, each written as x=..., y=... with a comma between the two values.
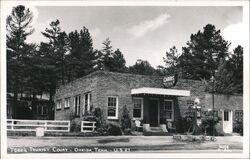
x=141, y=32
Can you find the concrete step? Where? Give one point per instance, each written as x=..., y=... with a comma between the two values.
x=157, y=133
x=155, y=129
x=232, y=134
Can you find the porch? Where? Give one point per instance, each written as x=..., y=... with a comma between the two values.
x=156, y=107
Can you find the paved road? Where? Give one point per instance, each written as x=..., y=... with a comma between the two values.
x=130, y=143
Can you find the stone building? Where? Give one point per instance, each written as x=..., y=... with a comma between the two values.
x=146, y=98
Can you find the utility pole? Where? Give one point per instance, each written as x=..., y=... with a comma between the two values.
x=213, y=80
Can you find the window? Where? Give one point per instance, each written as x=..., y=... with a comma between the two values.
x=87, y=102
x=169, y=109
x=239, y=115
x=59, y=104
x=42, y=110
x=112, y=107
x=138, y=108
x=67, y=103
x=226, y=116
x=77, y=105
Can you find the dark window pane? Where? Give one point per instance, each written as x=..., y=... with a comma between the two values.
x=137, y=113
x=44, y=110
x=168, y=115
x=225, y=115
x=111, y=112
x=40, y=110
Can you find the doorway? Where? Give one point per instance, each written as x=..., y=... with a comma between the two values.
x=154, y=113
x=227, y=121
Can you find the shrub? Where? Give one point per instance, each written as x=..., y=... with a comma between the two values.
x=125, y=120
x=127, y=132
x=238, y=127
x=101, y=125
x=75, y=125
x=206, y=119
x=207, y=122
x=114, y=129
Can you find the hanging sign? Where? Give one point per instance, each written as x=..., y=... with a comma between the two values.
x=170, y=81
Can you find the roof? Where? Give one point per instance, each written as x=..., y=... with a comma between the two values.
x=160, y=91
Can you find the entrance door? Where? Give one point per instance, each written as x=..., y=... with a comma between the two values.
x=153, y=113
x=227, y=121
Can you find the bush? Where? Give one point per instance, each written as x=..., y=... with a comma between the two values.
x=207, y=122
x=127, y=132
x=114, y=129
x=101, y=125
x=75, y=125
x=125, y=120
x=238, y=127
x=206, y=119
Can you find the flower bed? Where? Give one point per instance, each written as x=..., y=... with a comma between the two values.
x=192, y=138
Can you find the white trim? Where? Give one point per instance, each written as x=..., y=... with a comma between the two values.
x=160, y=91
x=170, y=100
x=228, y=123
x=67, y=102
x=77, y=106
x=88, y=102
x=142, y=105
x=116, y=110
x=59, y=104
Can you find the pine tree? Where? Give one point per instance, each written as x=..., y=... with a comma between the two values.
x=106, y=56
x=18, y=28
x=202, y=55
x=171, y=61
x=55, y=54
x=82, y=57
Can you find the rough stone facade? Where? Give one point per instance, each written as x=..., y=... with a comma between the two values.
x=103, y=84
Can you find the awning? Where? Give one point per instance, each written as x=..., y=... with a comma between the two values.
x=160, y=91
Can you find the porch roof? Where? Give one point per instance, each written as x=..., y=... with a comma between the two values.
x=160, y=91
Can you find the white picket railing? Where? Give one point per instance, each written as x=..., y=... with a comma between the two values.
x=31, y=125
x=88, y=126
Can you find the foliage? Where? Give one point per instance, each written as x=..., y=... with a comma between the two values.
x=101, y=125
x=75, y=125
x=125, y=120
x=127, y=132
x=238, y=127
x=82, y=57
x=171, y=61
x=114, y=129
x=229, y=77
x=110, y=60
x=206, y=120
x=118, y=62
x=58, y=47
x=106, y=56
x=142, y=67
x=202, y=55
x=18, y=26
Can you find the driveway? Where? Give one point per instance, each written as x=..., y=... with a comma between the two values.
x=124, y=143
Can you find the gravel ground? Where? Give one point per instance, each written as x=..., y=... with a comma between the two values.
x=136, y=143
